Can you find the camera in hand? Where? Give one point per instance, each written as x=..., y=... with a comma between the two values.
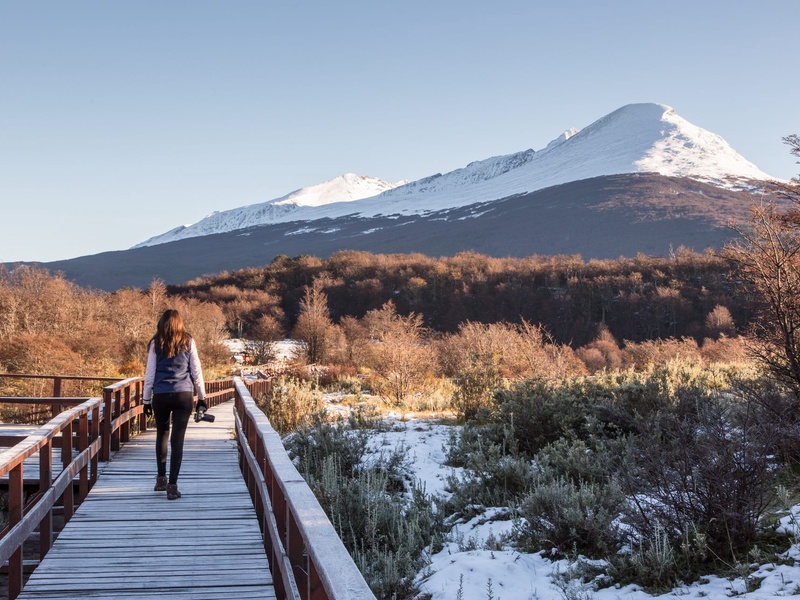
x=200, y=415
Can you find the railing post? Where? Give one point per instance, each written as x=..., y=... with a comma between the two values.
x=105, y=454
x=45, y=479
x=251, y=435
x=117, y=413
x=66, y=459
x=140, y=402
x=294, y=550
x=55, y=409
x=94, y=429
x=315, y=589
x=125, y=433
x=259, y=454
x=83, y=443
x=15, y=507
x=280, y=509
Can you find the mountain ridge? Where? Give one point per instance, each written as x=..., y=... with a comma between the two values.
x=636, y=138
x=597, y=218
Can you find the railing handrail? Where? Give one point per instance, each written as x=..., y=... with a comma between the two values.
x=300, y=540
x=62, y=377
x=61, y=400
x=57, y=381
x=93, y=428
x=303, y=529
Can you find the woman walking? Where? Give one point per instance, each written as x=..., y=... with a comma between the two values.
x=172, y=376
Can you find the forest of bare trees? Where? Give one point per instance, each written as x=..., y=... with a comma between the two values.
x=401, y=324
x=51, y=326
x=633, y=298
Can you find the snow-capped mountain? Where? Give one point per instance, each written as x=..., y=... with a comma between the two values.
x=637, y=138
x=345, y=188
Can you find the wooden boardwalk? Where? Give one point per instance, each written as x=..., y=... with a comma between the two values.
x=127, y=541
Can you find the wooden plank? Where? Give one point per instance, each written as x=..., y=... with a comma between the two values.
x=190, y=593
x=127, y=541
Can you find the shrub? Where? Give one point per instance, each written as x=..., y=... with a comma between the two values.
x=568, y=516
x=724, y=350
x=603, y=353
x=579, y=461
x=711, y=466
x=658, y=563
x=291, y=404
x=310, y=445
x=474, y=390
x=540, y=413
x=495, y=474
x=658, y=352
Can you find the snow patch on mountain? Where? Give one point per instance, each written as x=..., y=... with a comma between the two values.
x=637, y=138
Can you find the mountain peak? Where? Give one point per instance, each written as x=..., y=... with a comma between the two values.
x=345, y=188
x=636, y=138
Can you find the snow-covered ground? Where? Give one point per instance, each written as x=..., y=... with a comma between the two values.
x=285, y=350
x=478, y=564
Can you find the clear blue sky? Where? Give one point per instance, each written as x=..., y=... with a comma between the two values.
x=121, y=120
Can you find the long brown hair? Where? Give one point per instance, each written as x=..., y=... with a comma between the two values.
x=171, y=337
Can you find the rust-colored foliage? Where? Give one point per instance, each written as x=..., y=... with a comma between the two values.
x=51, y=326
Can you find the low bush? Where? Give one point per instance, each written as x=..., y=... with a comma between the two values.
x=658, y=564
x=293, y=403
x=563, y=516
x=495, y=473
x=677, y=464
x=712, y=467
x=474, y=389
x=593, y=461
x=541, y=413
x=310, y=446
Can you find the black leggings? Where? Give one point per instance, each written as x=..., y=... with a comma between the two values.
x=179, y=405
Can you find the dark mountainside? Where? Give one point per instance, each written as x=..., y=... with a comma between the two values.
x=603, y=217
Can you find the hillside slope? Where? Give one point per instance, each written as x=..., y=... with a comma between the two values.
x=604, y=217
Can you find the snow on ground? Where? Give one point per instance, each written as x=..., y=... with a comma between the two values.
x=285, y=350
x=423, y=443
x=477, y=562
x=517, y=576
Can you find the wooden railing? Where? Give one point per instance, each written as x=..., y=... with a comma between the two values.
x=306, y=556
x=219, y=391
x=38, y=512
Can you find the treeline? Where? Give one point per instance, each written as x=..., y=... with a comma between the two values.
x=635, y=299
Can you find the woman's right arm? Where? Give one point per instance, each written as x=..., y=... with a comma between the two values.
x=149, y=373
